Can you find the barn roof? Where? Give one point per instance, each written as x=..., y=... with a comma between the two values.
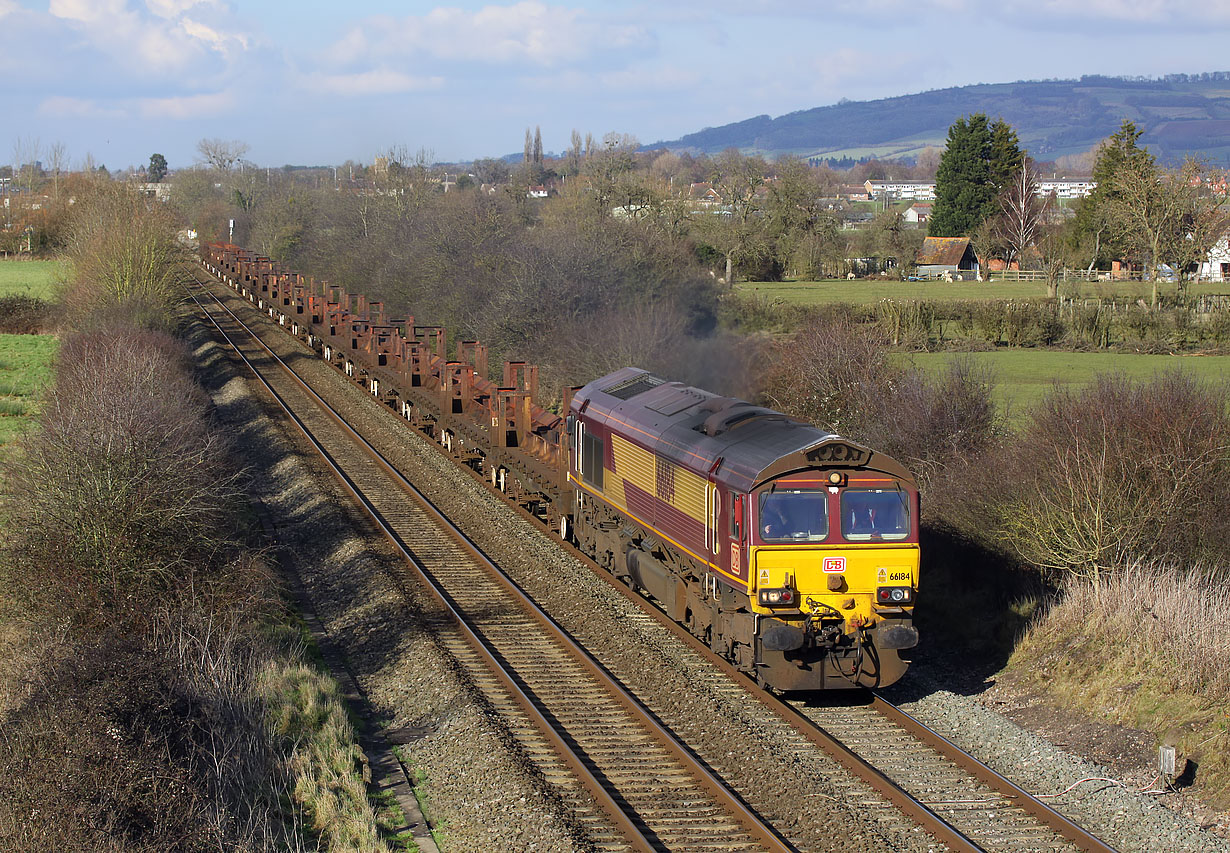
x=946, y=251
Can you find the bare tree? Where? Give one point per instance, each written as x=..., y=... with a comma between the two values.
x=1205, y=219
x=57, y=159
x=738, y=230
x=221, y=154
x=26, y=151
x=1052, y=256
x=1021, y=213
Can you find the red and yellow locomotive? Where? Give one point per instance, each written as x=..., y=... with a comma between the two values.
x=792, y=550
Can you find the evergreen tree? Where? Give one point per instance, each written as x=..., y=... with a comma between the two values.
x=537, y=153
x=964, y=191
x=1090, y=231
x=157, y=169
x=1006, y=155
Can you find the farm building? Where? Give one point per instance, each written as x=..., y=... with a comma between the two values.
x=952, y=255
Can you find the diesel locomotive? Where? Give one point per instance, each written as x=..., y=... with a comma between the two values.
x=790, y=550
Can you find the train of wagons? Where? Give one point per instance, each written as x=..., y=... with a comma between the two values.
x=790, y=550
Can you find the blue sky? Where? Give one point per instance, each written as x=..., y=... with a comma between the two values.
x=304, y=83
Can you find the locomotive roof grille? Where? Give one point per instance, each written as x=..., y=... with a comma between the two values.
x=628, y=388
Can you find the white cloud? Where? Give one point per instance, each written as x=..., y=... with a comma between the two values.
x=220, y=42
x=66, y=107
x=377, y=82
x=174, y=8
x=154, y=36
x=528, y=31
x=646, y=79
x=88, y=11
x=187, y=106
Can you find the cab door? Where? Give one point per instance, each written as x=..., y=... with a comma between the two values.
x=736, y=536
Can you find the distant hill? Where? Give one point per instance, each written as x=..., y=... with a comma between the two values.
x=1180, y=114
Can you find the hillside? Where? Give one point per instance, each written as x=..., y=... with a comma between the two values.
x=1180, y=115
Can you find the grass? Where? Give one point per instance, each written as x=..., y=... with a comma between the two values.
x=306, y=714
x=1145, y=648
x=31, y=278
x=1022, y=377
x=25, y=372
x=808, y=293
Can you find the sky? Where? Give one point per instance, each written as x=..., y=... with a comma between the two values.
x=307, y=83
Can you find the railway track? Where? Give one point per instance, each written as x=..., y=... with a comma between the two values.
x=645, y=790
x=965, y=805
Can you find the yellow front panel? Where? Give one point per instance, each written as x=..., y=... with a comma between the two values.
x=864, y=568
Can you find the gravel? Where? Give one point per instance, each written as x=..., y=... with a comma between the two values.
x=1121, y=816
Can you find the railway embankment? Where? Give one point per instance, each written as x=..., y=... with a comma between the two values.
x=155, y=690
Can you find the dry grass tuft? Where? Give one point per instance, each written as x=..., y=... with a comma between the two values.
x=324, y=760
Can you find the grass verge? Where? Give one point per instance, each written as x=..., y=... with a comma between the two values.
x=25, y=373
x=37, y=279
x=306, y=713
x=1145, y=648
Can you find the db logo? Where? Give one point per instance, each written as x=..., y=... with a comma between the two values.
x=834, y=564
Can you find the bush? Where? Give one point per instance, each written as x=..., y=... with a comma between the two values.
x=123, y=488
x=1122, y=471
x=25, y=315
x=122, y=247
x=838, y=373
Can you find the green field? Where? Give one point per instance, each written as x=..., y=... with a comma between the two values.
x=1023, y=376
x=30, y=278
x=864, y=291
x=25, y=373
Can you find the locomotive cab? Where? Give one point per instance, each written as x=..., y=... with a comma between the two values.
x=835, y=574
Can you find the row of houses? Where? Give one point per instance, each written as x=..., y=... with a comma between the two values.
x=925, y=190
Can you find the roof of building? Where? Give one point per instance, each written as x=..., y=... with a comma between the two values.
x=946, y=251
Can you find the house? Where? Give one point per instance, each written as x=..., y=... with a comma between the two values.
x=918, y=213
x=537, y=191
x=704, y=193
x=853, y=192
x=903, y=190
x=1066, y=187
x=1217, y=266
x=951, y=255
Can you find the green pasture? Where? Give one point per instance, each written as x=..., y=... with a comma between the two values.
x=859, y=291
x=25, y=373
x=30, y=278
x=1022, y=377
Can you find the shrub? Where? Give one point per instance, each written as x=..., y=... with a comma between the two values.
x=1122, y=471
x=122, y=246
x=25, y=315
x=929, y=423
x=124, y=487
x=831, y=373
x=838, y=373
